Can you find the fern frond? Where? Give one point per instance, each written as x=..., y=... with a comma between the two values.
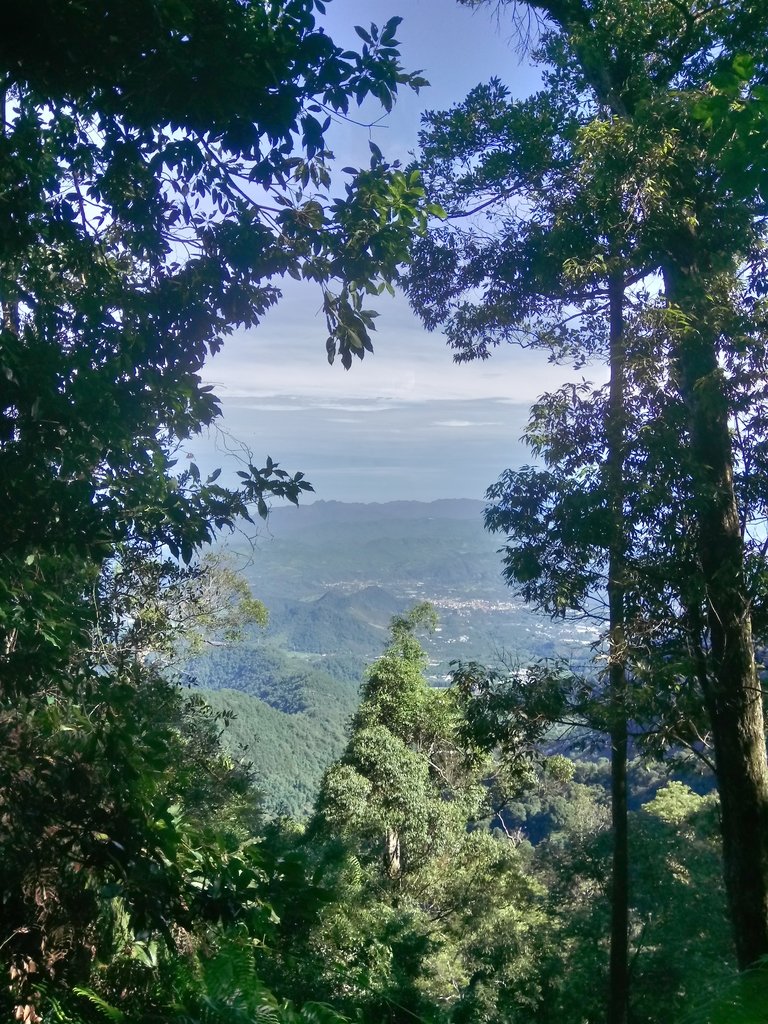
x=321, y=1013
x=109, y=1011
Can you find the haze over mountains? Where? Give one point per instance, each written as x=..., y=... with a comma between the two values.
x=332, y=575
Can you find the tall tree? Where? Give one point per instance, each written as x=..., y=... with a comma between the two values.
x=430, y=897
x=641, y=74
x=702, y=236
x=592, y=280
x=162, y=166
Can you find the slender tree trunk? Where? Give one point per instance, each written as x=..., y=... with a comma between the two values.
x=392, y=854
x=618, y=986
x=9, y=321
x=734, y=698
x=618, y=968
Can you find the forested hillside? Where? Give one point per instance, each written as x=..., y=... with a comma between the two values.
x=417, y=792
x=332, y=576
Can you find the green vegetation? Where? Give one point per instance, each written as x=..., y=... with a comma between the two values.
x=555, y=840
x=306, y=663
x=161, y=167
x=289, y=721
x=446, y=882
x=613, y=227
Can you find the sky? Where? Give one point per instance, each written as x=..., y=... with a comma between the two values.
x=406, y=422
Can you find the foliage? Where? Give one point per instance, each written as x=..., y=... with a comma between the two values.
x=213, y=985
x=153, y=607
x=121, y=818
x=418, y=896
x=620, y=173
x=162, y=167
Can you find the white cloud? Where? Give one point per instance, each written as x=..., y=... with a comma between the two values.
x=385, y=406
x=461, y=424
x=284, y=358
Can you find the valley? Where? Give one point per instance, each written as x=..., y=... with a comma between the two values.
x=332, y=576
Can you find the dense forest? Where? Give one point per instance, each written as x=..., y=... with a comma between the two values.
x=333, y=575
x=550, y=839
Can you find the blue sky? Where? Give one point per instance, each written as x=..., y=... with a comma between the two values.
x=406, y=422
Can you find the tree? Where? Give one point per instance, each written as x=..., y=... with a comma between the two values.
x=420, y=897
x=681, y=946
x=579, y=201
x=681, y=218
x=148, y=606
x=121, y=820
x=163, y=165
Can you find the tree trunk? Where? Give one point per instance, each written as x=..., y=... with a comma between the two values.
x=618, y=983
x=618, y=968
x=392, y=853
x=734, y=698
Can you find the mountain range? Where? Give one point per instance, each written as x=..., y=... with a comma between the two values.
x=332, y=576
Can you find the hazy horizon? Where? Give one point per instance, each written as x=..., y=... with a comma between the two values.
x=373, y=450
x=406, y=422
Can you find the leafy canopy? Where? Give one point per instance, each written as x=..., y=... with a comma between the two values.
x=162, y=166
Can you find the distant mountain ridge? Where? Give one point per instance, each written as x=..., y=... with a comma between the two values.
x=283, y=518
x=332, y=575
